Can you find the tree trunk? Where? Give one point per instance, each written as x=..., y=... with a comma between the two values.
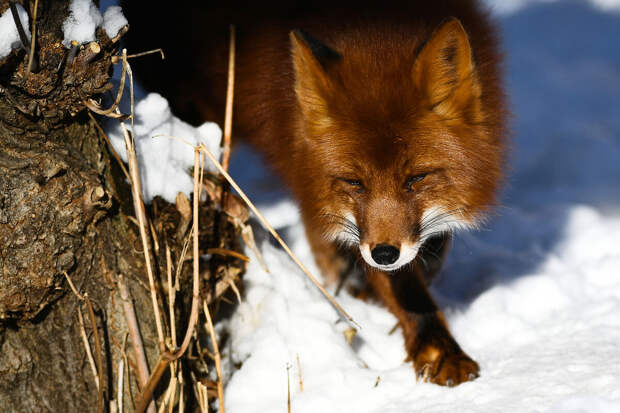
x=65, y=211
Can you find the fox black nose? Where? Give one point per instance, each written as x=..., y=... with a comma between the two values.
x=385, y=254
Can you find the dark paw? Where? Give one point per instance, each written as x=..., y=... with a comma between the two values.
x=437, y=357
x=435, y=365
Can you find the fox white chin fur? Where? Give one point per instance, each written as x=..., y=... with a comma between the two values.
x=435, y=220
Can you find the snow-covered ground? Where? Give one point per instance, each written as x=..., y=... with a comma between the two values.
x=534, y=297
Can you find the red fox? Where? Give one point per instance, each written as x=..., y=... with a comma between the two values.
x=385, y=119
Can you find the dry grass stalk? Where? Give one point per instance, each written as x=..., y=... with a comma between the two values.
x=171, y=298
x=301, y=381
x=116, y=59
x=110, y=147
x=97, y=369
x=99, y=359
x=216, y=356
x=119, y=386
x=288, y=387
x=144, y=399
x=94, y=106
x=224, y=251
x=166, y=357
x=193, y=317
x=32, y=37
x=89, y=354
x=136, y=191
x=229, y=100
x=134, y=332
x=273, y=232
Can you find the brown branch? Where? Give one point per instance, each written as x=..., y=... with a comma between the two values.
x=144, y=399
x=229, y=100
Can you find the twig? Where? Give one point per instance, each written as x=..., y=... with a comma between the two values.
x=73, y=51
x=20, y=28
x=99, y=360
x=78, y=295
x=224, y=251
x=119, y=386
x=171, y=298
x=134, y=332
x=196, y=293
x=89, y=353
x=229, y=100
x=301, y=381
x=32, y=65
x=144, y=398
x=94, y=106
x=273, y=232
x=216, y=356
x=110, y=146
x=116, y=59
x=288, y=387
x=166, y=358
x=136, y=189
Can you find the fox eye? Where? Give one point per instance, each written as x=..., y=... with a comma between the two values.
x=414, y=179
x=355, y=183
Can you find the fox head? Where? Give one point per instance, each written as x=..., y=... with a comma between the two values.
x=401, y=137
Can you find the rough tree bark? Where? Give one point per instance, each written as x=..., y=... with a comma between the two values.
x=65, y=208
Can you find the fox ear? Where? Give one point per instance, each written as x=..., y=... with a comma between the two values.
x=312, y=61
x=445, y=72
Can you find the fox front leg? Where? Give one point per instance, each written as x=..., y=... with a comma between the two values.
x=436, y=356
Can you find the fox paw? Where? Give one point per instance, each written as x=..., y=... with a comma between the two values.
x=434, y=365
x=437, y=357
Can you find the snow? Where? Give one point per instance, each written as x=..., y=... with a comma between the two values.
x=9, y=37
x=113, y=21
x=84, y=18
x=164, y=162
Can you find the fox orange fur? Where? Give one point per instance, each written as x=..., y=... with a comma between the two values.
x=385, y=119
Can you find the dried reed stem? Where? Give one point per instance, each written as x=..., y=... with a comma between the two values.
x=196, y=293
x=273, y=232
x=134, y=332
x=119, y=386
x=32, y=37
x=94, y=106
x=166, y=357
x=144, y=398
x=89, y=353
x=136, y=190
x=229, y=100
x=216, y=356
x=110, y=146
x=99, y=359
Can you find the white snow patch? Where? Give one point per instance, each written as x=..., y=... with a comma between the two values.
x=80, y=25
x=113, y=21
x=165, y=162
x=9, y=37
